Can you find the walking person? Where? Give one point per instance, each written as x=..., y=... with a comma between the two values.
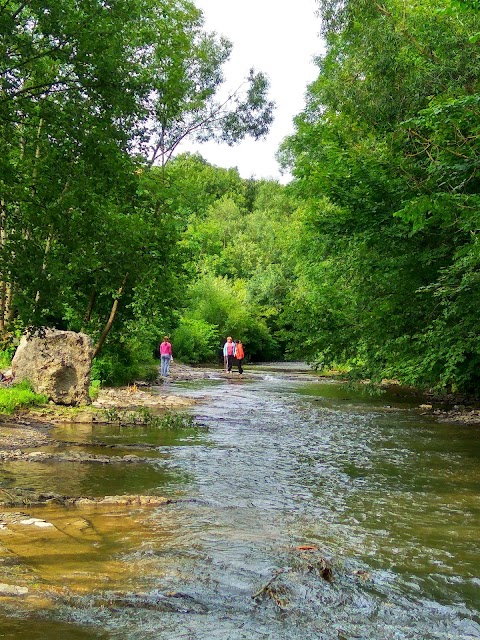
x=239, y=355
x=166, y=356
x=228, y=354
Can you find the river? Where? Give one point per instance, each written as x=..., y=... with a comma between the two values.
x=300, y=510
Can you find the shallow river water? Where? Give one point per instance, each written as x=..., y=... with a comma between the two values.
x=384, y=501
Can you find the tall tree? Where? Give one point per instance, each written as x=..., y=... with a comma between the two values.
x=364, y=155
x=87, y=90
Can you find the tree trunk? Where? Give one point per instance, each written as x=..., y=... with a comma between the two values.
x=48, y=244
x=3, y=283
x=9, y=308
x=111, y=318
x=37, y=157
x=3, y=294
x=91, y=302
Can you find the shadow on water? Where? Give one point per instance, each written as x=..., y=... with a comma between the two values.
x=293, y=476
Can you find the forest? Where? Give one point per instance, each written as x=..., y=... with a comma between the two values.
x=367, y=261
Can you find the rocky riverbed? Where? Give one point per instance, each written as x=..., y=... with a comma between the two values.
x=25, y=435
x=47, y=509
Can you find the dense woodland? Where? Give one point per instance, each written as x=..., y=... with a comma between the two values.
x=367, y=260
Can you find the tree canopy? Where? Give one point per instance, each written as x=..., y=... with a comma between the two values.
x=385, y=157
x=368, y=260
x=92, y=96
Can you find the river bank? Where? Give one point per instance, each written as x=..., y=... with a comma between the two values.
x=30, y=428
x=455, y=408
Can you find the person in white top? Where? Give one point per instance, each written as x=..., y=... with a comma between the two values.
x=229, y=350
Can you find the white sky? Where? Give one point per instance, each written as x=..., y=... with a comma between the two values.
x=280, y=38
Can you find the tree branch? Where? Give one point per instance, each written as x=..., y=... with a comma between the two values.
x=111, y=318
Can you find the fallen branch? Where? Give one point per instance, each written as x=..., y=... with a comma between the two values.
x=263, y=590
x=277, y=594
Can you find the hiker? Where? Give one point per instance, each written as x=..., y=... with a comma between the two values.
x=228, y=354
x=166, y=356
x=239, y=355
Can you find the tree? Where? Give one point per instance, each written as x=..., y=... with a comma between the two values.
x=83, y=90
x=367, y=152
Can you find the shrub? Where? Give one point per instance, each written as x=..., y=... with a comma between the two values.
x=123, y=364
x=6, y=357
x=145, y=417
x=94, y=389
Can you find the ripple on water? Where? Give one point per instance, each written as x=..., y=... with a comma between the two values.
x=385, y=495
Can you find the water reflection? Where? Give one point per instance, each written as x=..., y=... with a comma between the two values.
x=93, y=479
x=35, y=629
x=119, y=434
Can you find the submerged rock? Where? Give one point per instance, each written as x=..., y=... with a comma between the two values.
x=120, y=500
x=37, y=522
x=46, y=456
x=17, y=496
x=57, y=364
x=12, y=590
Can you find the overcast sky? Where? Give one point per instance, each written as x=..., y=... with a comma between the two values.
x=279, y=38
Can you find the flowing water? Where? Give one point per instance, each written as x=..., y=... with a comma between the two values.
x=300, y=510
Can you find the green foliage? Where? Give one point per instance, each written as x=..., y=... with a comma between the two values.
x=19, y=396
x=94, y=390
x=240, y=270
x=385, y=158
x=6, y=357
x=195, y=340
x=92, y=95
x=119, y=367
x=224, y=303
x=467, y=4
x=176, y=420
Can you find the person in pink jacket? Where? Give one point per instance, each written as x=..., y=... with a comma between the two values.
x=166, y=356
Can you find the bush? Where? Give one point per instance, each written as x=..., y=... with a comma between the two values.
x=94, y=389
x=121, y=368
x=144, y=416
x=148, y=372
x=106, y=369
x=6, y=357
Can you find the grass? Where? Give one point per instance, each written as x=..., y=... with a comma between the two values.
x=19, y=396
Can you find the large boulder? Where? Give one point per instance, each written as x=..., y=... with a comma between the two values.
x=57, y=364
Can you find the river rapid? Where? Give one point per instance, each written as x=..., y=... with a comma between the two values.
x=300, y=510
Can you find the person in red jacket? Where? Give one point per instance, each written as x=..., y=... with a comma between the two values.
x=239, y=355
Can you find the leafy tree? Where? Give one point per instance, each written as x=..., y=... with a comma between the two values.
x=376, y=157
x=90, y=95
x=196, y=340
x=222, y=307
